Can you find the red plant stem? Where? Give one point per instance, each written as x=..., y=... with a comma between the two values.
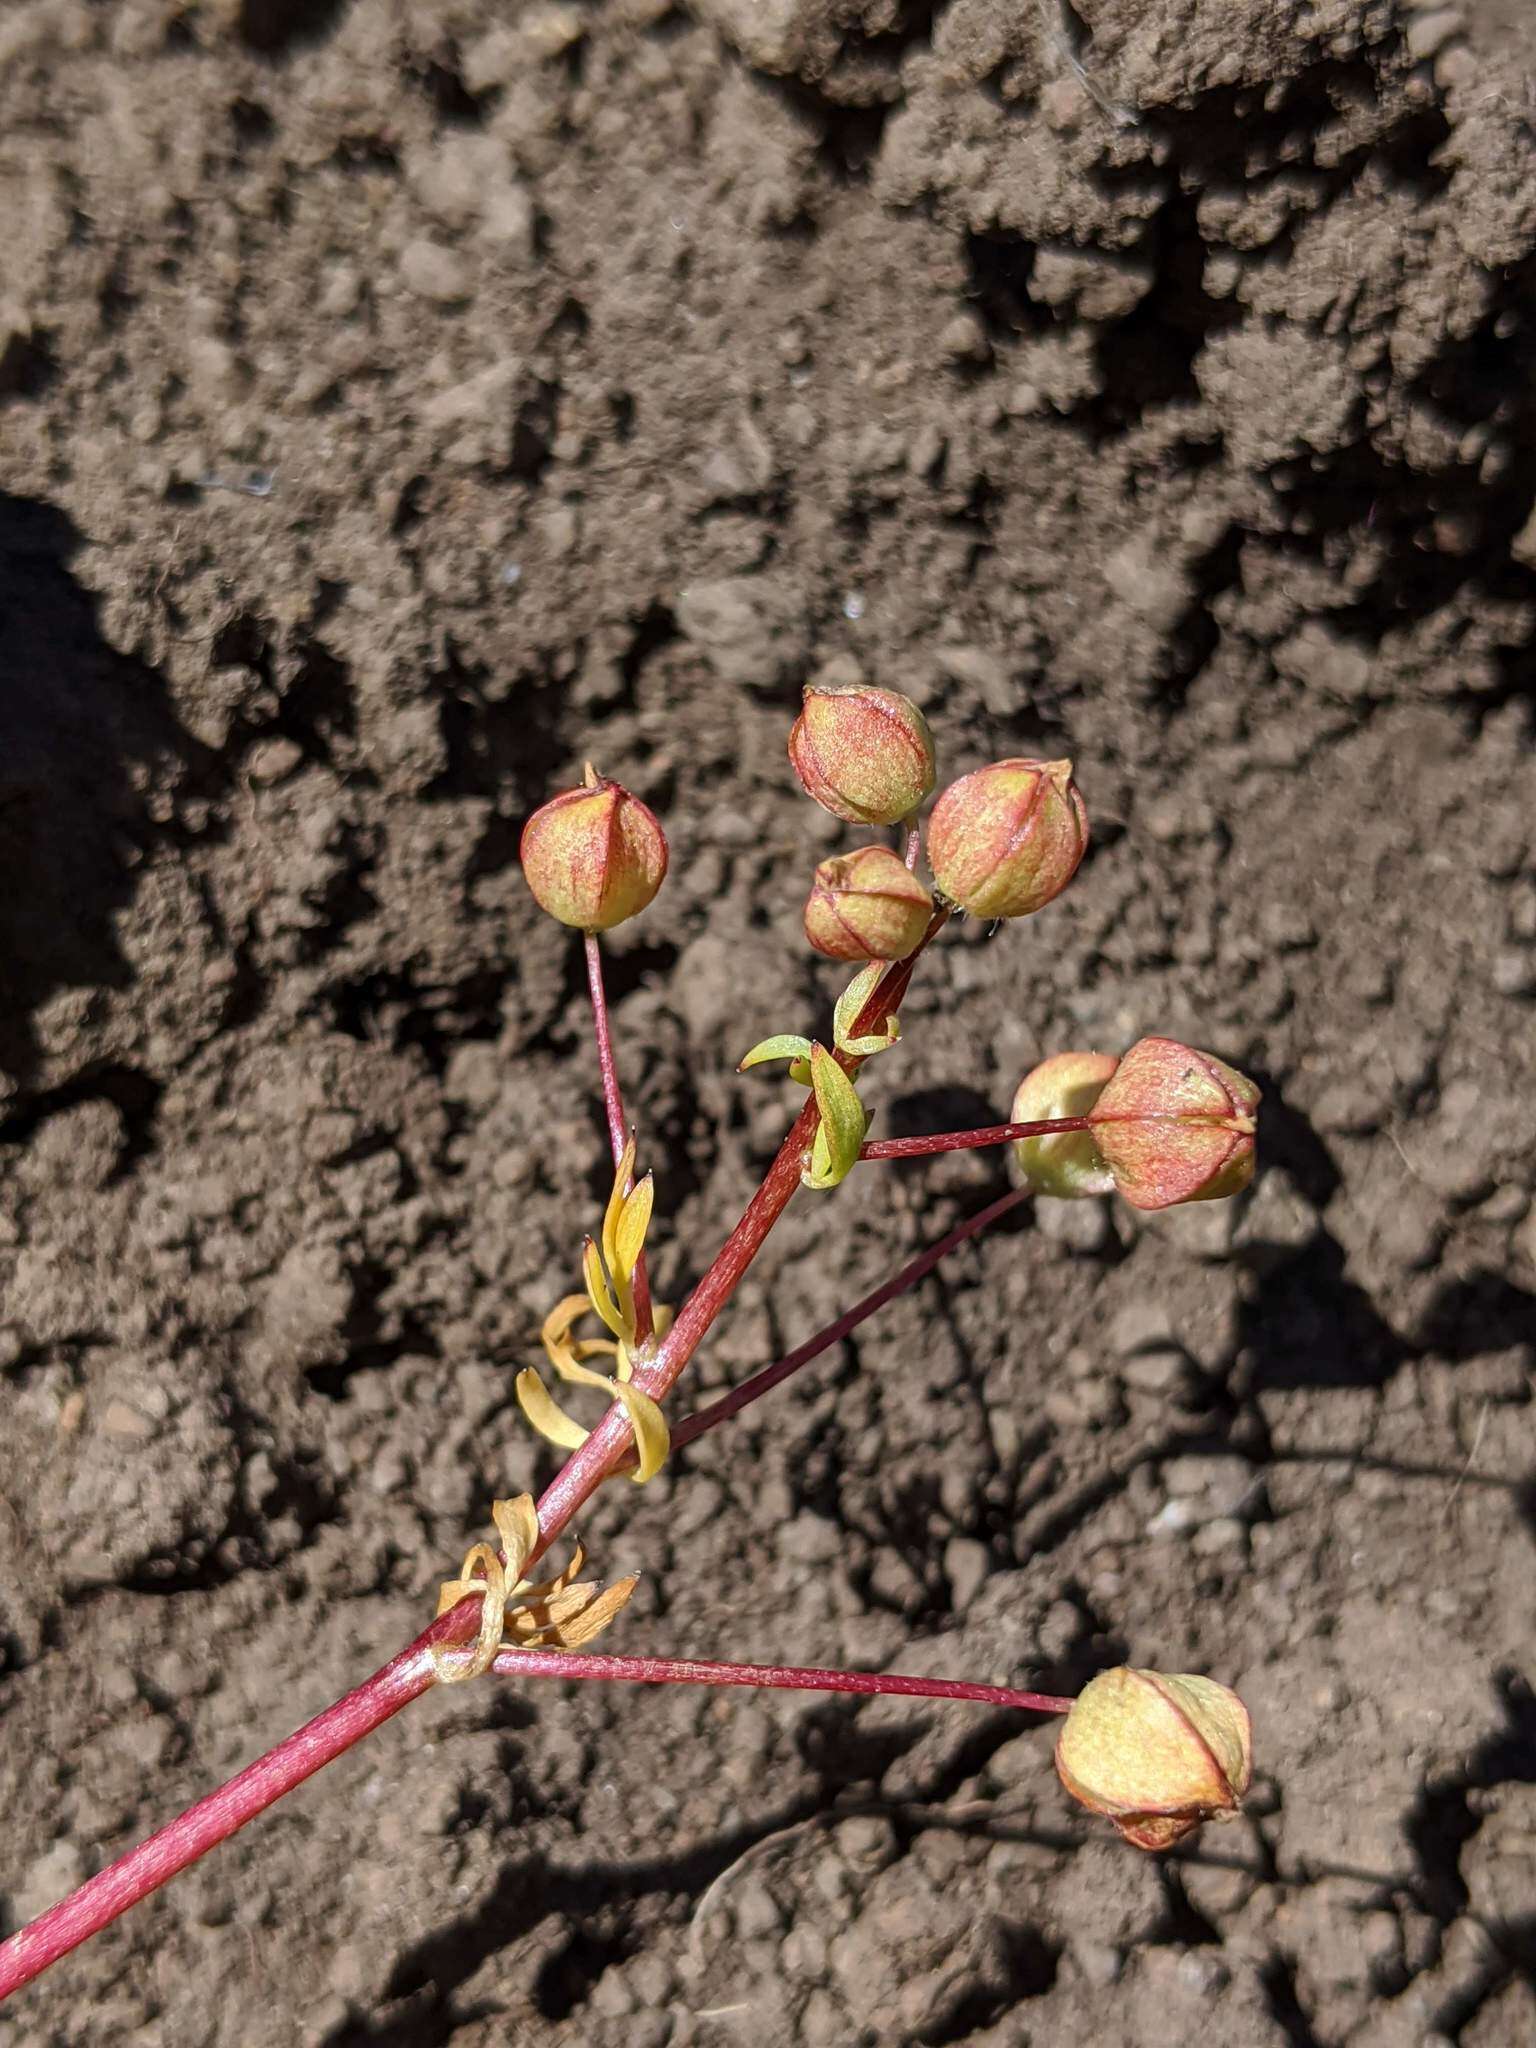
x=221, y=1813
x=968, y=1141
x=705, y=1419
x=609, y=1444
x=773, y=1677
x=613, y=1104
x=213, y=1819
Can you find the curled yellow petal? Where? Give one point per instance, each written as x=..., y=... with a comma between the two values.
x=652, y=1437
x=598, y=1290
x=582, y=1375
x=546, y=1588
x=514, y=1613
x=621, y=1179
x=634, y=1221
x=569, y=1617
x=473, y=1577
x=555, y=1330
x=517, y=1524
x=546, y=1414
x=595, y=1616
x=482, y=1573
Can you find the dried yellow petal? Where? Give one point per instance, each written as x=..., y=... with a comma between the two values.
x=597, y=1288
x=546, y=1414
x=611, y=1214
x=634, y=1221
x=652, y=1437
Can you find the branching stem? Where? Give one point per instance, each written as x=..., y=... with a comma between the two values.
x=214, y=1818
x=705, y=1419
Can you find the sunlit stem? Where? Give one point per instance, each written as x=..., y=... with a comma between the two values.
x=970, y=1141
x=705, y=1419
x=221, y=1813
x=613, y=1106
x=611, y=1441
x=774, y=1677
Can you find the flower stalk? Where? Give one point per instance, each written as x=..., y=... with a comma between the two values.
x=1156, y=1754
x=613, y=1109
x=971, y=1141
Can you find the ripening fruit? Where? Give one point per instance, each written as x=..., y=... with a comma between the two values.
x=863, y=753
x=594, y=856
x=867, y=905
x=1156, y=1754
x=1068, y=1165
x=1006, y=839
x=1175, y=1125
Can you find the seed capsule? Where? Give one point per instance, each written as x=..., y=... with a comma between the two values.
x=1004, y=840
x=866, y=905
x=1176, y=1125
x=863, y=753
x=594, y=856
x=1156, y=1754
x=1070, y=1164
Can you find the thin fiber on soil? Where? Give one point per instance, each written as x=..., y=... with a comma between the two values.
x=403, y=400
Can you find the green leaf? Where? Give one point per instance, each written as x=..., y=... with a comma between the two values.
x=866, y=1048
x=843, y=1123
x=851, y=1001
x=785, y=1046
x=846, y=1015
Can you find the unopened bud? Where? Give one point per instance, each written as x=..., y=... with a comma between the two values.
x=863, y=753
x=1176, y=1125
x=1004, y=840
x=866, y=905
x=1156, y=1754
x=1068, y=1165
x=594, y=856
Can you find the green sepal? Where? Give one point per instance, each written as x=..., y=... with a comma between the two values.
x=849, y=1004
x=785, y=1046
x=866, y=1048
x=835, y=1149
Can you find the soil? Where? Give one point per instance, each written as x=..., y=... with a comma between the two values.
x=400, y=403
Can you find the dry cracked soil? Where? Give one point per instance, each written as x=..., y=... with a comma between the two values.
x=402, y=399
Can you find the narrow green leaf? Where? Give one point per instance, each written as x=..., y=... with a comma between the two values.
x=843, y=1122
x=866, y=1048
x=851, y=1001
x=785, y=1046
x=846, y=1015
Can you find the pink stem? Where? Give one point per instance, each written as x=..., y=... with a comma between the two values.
x=612, y=1440
x=221, y=1813
x=213, y=1819
x=780, y=1677
x=914, y=845
x=968, y=1141
x=613, y=1104
x=771, y=1376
